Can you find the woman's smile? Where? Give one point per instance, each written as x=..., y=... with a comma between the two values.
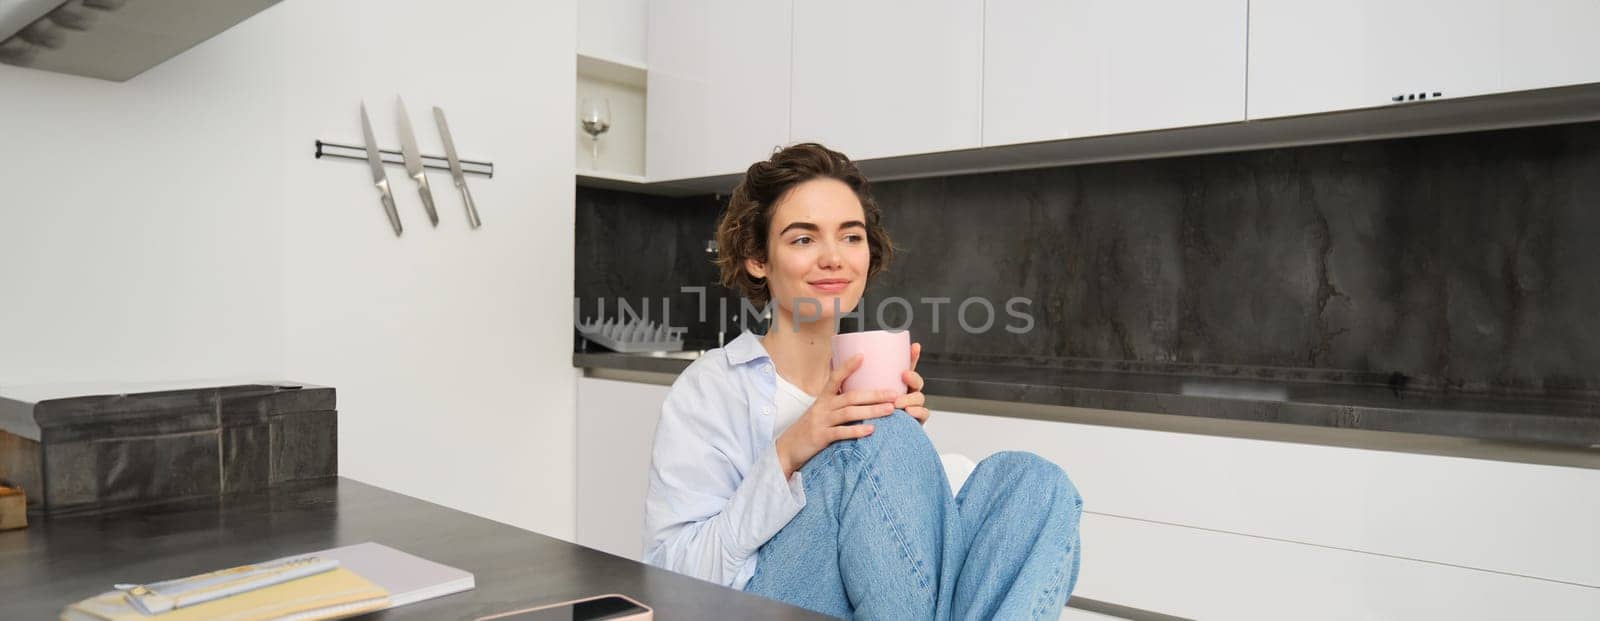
x=830, y=285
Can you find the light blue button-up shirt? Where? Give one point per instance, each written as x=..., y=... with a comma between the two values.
x=716, y=490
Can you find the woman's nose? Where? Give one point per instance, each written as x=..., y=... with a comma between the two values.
x=830, y=256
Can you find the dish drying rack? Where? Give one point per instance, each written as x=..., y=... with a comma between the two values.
x=632, y=336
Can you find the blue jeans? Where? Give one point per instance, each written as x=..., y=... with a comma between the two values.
x=881, y=537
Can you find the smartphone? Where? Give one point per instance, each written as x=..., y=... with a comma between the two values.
x=608, y=607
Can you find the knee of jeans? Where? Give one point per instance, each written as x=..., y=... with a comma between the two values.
x=897, y=428
x=1039, y=473
x=892, y=428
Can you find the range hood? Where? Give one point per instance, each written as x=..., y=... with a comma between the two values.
x=111, y=39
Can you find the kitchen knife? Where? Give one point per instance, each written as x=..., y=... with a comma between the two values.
x=455, y=167
x=408, y=149
x=375, y=162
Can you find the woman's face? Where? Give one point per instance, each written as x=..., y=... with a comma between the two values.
x=816, y=250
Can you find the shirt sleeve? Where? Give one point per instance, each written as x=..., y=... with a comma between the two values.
x=701, y=517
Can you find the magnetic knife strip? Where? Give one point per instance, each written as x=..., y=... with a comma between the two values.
x=358, y=152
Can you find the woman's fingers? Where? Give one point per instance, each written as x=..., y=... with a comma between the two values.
x=864, y=397
x=849, y=432
x=918, y=412
x=913, y=380
x=910, y=399
x=854, y=413
x=911, y=377
x=837, y=377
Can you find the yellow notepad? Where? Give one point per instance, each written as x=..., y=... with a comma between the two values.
x=333, y=594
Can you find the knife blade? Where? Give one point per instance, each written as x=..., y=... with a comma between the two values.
x=413, y=156
x=455, y=167
x=379, y=178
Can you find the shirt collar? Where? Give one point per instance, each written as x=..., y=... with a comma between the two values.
x=745, y=348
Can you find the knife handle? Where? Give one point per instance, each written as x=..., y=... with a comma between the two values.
x=394, y=214
x=472, y=208
x=427, y=198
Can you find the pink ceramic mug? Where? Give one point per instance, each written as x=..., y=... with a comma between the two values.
x=886, y=356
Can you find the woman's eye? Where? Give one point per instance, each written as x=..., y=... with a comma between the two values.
x=801, y=240
x=855, y=238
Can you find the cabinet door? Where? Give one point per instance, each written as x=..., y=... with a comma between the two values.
x=718, y=86
x=878, y=78
x=613, y=30
x=1309, y=56
x=1071, y=68
x=1451, y=47
x=1551, y=43
x=616, y=431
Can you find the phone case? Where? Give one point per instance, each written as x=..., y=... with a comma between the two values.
x=647, y=615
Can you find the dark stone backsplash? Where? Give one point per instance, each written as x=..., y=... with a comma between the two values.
x=643, y=249
x=1466, y=262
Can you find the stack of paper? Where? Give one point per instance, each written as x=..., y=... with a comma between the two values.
x=330, y=584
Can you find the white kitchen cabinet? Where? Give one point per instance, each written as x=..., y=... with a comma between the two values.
x=879, y=78
x=718, y=86
x=616, y=429
x=1293, y=512
x=1309, y=56
x=1551, y=43
x=1055, y=69
x=1174, y=522
x=612, y=30
x=1194, y=573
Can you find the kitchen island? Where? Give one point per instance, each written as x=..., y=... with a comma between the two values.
x=55, y=562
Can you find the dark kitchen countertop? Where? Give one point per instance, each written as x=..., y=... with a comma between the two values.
x=55, y=562
x=1293, y=396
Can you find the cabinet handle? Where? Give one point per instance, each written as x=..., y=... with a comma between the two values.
x=1415, y=96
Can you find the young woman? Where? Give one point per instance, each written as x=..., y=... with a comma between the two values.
x=766, y=478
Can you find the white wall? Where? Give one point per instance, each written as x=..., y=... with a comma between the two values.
x=177, y=226
x=451, y=348
x=140, y=222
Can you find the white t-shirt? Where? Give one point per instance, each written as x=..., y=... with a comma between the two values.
x=792, y=402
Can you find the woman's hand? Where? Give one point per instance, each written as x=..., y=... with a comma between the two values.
x=827, y=420
x=912, y=401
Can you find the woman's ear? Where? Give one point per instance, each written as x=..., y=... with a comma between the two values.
x=755, y=268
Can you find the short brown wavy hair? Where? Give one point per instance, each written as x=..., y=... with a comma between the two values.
x=742, y=228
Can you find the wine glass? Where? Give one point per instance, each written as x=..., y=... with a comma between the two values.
x=595, y=114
